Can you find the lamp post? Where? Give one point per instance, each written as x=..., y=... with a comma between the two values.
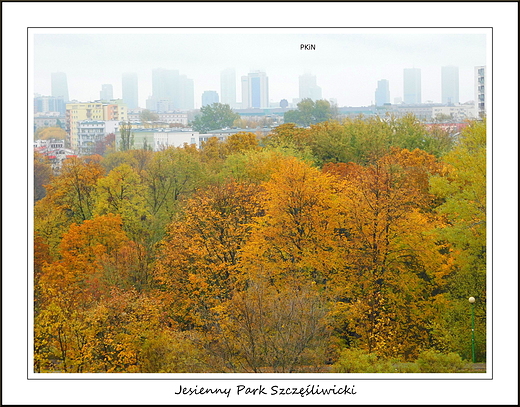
x=472, y=302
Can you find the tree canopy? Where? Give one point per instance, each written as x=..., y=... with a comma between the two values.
x=213, y=117
x=148, y=116
x=309, y=112
x=49, y=133
x=306, y=248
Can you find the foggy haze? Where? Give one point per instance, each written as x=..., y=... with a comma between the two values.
x=347, y=63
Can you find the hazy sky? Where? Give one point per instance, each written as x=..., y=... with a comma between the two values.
x=347, y=63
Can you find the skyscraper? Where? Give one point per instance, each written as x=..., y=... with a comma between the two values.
x=308, y=87
x=43, y=104
x=228, y=87
x=450, y=85
x=382, y=92
x=171, y=89
x=59, y=86
x=244, y=82
x=412, y=85
x=107, y=92
x=209, y=97
x=255, y=90
x=185, y=94
x=164, y=82
x=130, y=90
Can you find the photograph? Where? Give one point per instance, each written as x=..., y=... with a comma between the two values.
x=322, y=212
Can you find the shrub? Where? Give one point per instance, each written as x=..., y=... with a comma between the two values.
x=431, y=361
x=406, y=367
x=359, y=361
x=173, y=352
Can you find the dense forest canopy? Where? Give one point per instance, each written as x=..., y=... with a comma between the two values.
x=287, y=253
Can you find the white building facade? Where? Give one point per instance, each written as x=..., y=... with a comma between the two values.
x=92, y=131
x=255, y=90
x=480, y=91
x=458, y=112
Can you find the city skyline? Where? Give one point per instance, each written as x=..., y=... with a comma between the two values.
x=347, y=66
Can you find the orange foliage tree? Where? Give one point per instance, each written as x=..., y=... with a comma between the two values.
x=70, y=198
x=95, y=257
x=198, y=258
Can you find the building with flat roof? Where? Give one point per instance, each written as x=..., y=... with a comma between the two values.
x=382, y=95
x=480, y=91
x=209, y=97
x=255, y=90
x=80, y=111
x=107, y=92
x=130, y=90
x=228, y=87
x=48, y=120
x=47, y=104
x=412, y=85
x=97, y=111
x=59, y=85
x=172, y=90
x=308, y=89
x=450, y=85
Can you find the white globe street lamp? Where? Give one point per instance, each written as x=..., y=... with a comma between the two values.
x=472, y=302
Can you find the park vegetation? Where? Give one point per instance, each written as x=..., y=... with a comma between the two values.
x=343, y=246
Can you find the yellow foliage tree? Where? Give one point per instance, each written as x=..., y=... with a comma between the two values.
x=393, y=260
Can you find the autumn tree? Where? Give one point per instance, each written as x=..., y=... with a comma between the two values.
x=364, y=140
x=122, y=192
x=295, y=238
x=290, y=139
x=70, y=198
x=462, y=191
x=106, y=145
x=93, y=257
x=198, y=259
x=255, y=166
x=127, y=137
x=276, y=319
x=42, y=175
x=171, y=175
x=73, y=190
x=241, y=141
x=268, y=329
x=393, y=260
x=50, y=133
x=115, y=158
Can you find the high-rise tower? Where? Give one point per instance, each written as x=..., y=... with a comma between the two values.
x=308, y=88
x=185, y=94
x=255, y=90
x=59, y=86
x=107, y=92
x=130, y=90
x=171, y=90
x=209, y=97
x=412, y=86
x=450, y=85
x=228, y=87
x=382, y=92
